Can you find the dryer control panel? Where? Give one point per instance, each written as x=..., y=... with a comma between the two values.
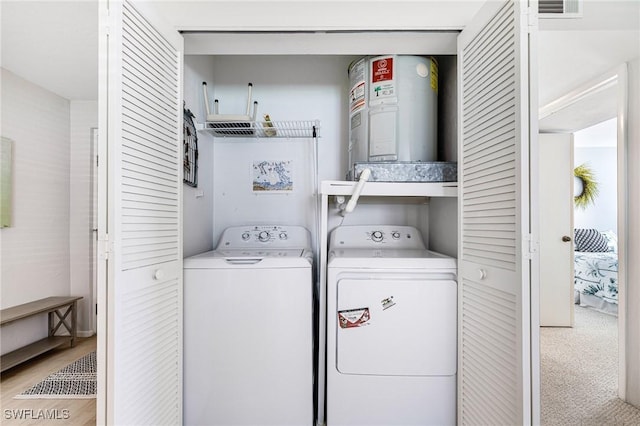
x=380, y=236
x=264, y=236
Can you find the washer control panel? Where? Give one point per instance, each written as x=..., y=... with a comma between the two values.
x=381, y=236
x=264, y=236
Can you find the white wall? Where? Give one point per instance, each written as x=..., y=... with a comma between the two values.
x=198, y=202
x=443, y=225
x=35, y=250
x=294, y=87
x=287, y=88
x=84, y=117
x=596, y=147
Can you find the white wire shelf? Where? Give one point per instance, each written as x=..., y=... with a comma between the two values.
x=263, y=129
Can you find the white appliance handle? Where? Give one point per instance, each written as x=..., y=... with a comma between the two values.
x=244, y=261
x=351, y=204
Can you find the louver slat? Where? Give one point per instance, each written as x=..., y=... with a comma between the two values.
x=155, y=309
x=560, y=8
x=147, y=301
x=150, y=176
x=490, y=384
x=481, y=167
x=487, y=353
x=550, y=6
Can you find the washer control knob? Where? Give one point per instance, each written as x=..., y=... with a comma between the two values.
x=283, y=235
x=377, y=236
x=264, y=236
x=245, y=236
x=395, y=235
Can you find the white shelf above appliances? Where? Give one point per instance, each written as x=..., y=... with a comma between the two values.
x=264, y=129
x=391, y=189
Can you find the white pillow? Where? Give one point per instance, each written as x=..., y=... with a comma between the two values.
x=612, y=240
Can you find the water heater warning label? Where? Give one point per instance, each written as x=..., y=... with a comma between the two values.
x=383, y=86
x=382, y=69
x=356, y=97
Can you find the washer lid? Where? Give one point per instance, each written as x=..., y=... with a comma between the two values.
x=229, y=259
x=261, y=253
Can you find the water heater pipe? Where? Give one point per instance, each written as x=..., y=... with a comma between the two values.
x=364, y=176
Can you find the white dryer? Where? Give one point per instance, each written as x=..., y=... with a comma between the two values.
x=248, y=329
x=391, y=329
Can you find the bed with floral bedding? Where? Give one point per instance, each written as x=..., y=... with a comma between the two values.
x=596, y=270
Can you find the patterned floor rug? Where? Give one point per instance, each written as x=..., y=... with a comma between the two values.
x=77, y=380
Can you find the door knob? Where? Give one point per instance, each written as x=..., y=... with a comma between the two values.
x=566, y=239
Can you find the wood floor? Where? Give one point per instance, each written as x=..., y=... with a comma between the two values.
x=68, y=411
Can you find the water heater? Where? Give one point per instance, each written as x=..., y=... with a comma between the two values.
x=393, y=103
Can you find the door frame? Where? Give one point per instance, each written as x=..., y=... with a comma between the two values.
x=95, y=177
x=618, y=77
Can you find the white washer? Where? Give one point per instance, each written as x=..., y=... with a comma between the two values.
x=248, y=330
x=391, y=329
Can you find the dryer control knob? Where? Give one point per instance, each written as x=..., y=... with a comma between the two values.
x=283, y=235
x=377, y=236
x=264, y=236
x=245, y=236
x=395, y=235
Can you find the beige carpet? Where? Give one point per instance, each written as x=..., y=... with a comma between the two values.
x=579, y=374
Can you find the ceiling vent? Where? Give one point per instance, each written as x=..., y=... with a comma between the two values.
x=560, y=8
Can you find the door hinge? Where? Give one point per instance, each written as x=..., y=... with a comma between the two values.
x=532, y=19
x=103, y=244
x=530, y=246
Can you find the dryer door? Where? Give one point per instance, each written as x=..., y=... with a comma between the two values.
x=397, y=327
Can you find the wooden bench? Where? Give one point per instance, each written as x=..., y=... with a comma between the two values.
x=63, y=311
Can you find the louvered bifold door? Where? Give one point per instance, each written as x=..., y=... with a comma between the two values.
x=144, y=291
x=493, y=357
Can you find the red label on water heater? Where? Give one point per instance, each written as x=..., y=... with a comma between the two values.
x=382, y=70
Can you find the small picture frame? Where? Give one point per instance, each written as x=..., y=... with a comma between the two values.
x=271, y=176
